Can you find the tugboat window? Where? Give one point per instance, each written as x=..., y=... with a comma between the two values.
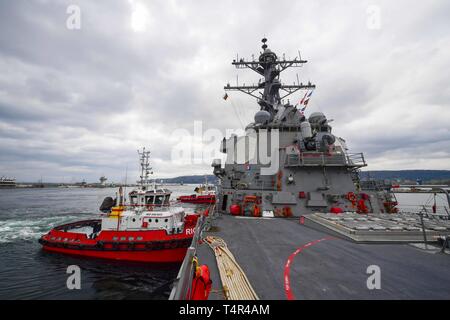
x=159, y=199
x=149, y=200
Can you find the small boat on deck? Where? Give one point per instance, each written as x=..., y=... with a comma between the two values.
x=144, y=229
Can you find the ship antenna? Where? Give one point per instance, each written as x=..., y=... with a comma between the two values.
x=270, y=67
x=144, y=158
x=126, y=180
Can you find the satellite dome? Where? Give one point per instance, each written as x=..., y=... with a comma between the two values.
x=317, y=117
x=262, y=116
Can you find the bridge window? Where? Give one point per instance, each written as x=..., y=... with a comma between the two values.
x=149, y=200
x=159, y=200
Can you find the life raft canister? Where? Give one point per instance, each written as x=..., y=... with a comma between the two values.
x=201, y=284
x=235, y=210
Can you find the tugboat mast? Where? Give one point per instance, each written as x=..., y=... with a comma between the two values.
x=269, y=66
x=144, y=160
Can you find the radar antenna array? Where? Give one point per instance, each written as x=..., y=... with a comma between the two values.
x=269, y=66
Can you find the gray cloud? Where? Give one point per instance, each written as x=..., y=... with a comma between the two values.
x=77, y=104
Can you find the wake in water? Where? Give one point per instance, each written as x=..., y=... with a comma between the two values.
x=32, y=228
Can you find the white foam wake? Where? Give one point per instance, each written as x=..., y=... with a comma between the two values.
x=32, y=229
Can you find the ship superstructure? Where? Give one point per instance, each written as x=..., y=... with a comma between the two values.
x=310, y=169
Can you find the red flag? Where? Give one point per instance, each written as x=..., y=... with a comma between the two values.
x=303, y=99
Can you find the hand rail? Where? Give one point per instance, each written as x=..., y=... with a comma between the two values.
x=326, y=159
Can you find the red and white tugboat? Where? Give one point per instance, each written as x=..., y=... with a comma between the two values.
x=144, y=229
x=205, y=194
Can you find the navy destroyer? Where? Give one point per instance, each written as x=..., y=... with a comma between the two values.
x=293, y=221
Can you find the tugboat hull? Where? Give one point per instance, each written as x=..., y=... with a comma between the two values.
x=155, y=246
x=160, y=256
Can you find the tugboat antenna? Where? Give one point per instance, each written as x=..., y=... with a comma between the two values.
x=144, y=158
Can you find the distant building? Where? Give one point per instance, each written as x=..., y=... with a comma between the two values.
x=103, y=180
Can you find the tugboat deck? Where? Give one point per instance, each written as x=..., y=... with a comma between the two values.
x=331, y=269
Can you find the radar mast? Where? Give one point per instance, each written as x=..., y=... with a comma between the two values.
x=269, y=66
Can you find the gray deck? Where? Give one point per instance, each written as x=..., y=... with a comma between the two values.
x=332, y=269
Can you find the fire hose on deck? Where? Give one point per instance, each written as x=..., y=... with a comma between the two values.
x=235, y=283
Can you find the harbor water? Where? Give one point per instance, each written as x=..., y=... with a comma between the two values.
x=26, y=272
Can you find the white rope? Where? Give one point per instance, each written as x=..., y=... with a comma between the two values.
x=235, y=283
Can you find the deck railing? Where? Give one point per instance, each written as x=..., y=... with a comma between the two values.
x=354, y=160
x=182, y=284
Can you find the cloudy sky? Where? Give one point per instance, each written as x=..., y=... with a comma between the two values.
x=76, y=103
